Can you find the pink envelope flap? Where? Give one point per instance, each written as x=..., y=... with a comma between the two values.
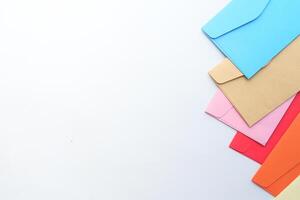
x=219, y=106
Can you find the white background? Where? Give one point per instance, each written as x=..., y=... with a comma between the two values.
x=105, y=100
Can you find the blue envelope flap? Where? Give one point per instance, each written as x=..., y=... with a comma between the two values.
x=235, y=14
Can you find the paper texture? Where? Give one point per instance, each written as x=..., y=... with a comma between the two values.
x=292, y=192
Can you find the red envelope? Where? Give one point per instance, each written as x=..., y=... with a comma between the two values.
x=258, y=152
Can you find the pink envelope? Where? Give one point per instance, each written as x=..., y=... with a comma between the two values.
x=223, y=110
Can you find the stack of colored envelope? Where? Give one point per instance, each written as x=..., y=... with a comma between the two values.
x=282, y=166
x=258, y=84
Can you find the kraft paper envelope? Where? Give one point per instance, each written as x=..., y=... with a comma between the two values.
x=222, y=109
x=258, y=152
x=283, y=164
x=292, y=192
x=251, y=32
x=256, y=97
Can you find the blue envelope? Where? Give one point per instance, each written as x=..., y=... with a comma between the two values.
x=251, y=32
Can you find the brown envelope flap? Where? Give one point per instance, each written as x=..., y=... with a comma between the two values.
x=225, y=72
x=283, y=159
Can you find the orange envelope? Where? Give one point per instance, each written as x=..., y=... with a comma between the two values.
x=283, y=164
